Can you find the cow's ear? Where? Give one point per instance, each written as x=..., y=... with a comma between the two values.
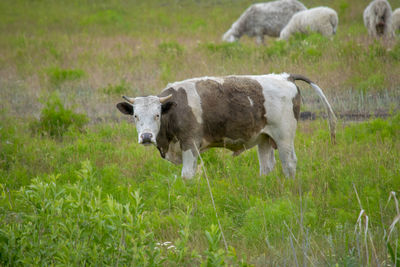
x=125, y=108
x=167, y=107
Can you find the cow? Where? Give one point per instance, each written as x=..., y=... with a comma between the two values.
x=378, y=19
x=323, y=20
x=263, y=19
x=235, y=112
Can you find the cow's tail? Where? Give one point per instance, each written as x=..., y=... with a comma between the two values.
x=331, y=115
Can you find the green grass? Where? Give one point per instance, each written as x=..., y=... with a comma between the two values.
x=76, y=188
x=259, y=215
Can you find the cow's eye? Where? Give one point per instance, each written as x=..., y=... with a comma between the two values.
x=157, y=116
x=136, y=117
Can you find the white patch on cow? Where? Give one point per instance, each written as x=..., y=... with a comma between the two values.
x=278, y=94
x=189, y=164
x=251, y=101
x=174, y=153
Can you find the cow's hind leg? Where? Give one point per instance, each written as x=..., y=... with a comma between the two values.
x=266, y=155
x=283, y=134
x=288, y=158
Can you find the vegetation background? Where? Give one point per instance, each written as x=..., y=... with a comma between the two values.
x=77, y=189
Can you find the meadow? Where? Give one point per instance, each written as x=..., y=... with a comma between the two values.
x=76, y=188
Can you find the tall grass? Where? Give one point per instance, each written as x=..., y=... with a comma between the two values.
x=266, y=220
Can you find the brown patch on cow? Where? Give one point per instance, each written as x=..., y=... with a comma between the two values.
x=230, y=119
x=297, y=99
x=179, y=123
x=295, y=77
x=272, y=142
x=296, y=104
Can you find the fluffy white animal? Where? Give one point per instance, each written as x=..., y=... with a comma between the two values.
x=396, y=20
x=378, y=19
x=263, y=19
x=323, y=20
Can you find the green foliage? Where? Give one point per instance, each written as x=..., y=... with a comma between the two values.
x=263, y=216
x=194, y=24
x=58, y=75
x=378, y=128
x=233, y=50
x=369, y=77
x=170, y=55
x=374, y=82
x=394, y=255
x=167, y=74
x=308, y=39
x=117, y=89
x=308, y=47
x=75, y=224
x=350, y=50
x=395, y=52
x=215, y=254
x=104, y=17
x=55, y=119
x=171, y=49
x=257, y=214
x=277, y=48
x=343, y=7
x=376, y=51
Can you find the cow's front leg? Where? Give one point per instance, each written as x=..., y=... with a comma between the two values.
x=189, y=160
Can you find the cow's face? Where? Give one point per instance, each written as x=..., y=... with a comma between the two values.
x=229, y=36
x=146, y=112
x=381, y=15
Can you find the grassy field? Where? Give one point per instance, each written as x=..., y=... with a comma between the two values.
x=77, y=189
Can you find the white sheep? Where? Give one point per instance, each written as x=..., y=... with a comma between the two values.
x=323, y=20
x=396, y=20
x=378, y=19
x=263, y=19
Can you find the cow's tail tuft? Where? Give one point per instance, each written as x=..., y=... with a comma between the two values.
x=331, y=115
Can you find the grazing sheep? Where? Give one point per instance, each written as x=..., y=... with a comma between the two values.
x=378, y=19
x=263, y=19
x=396, y=20
x=323, y=20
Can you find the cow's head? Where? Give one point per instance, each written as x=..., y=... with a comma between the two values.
x=146, y=113
x=230, y=36
x=382, y=14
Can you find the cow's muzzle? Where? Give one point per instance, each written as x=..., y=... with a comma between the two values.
x=146, y=138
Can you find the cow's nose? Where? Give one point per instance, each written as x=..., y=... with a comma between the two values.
x=146, y=138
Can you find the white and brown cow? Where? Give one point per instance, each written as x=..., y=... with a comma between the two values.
x=234, y=112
